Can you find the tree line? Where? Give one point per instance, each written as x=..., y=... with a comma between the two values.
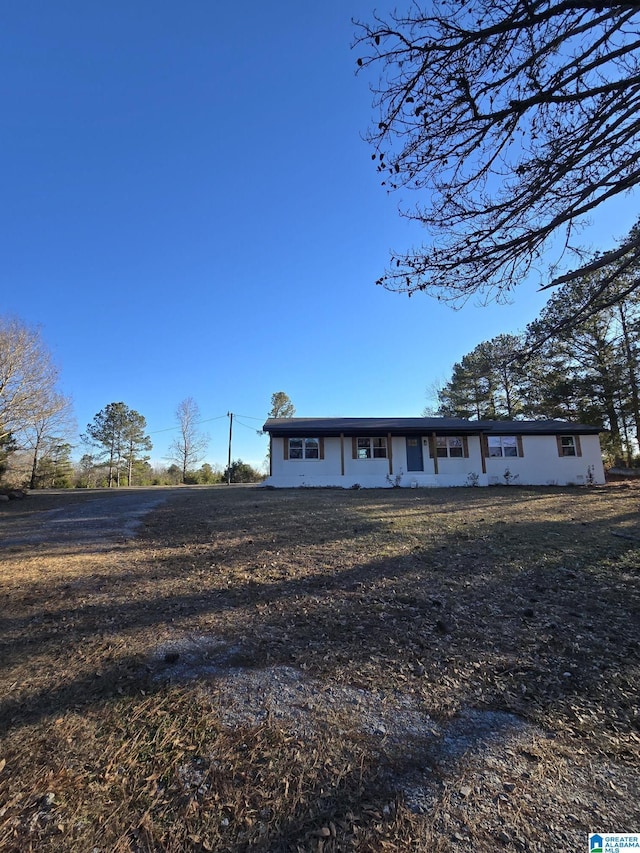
x=569, y=363
x=38, y=431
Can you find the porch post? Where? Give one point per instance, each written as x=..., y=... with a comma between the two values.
x=435, y=453
x=390, y=453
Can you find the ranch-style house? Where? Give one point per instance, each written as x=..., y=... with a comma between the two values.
x=413, y=452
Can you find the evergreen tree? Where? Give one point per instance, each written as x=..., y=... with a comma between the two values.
x=579, y=360
x=486, y=383
x=118, y=432
x=54, y=470
x=281, y=406
x=241, y=472
x=7, y=447
x=135, y=442
x=86, y=472
x=591, y=357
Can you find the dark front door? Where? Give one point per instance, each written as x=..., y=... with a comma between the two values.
x=414, y=454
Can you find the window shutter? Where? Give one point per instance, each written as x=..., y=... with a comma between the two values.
x=285, y=444
x=321, y=450
x=354, y=448
x=465, y=447
x=576, y=438
x=520, y=450
x=559, y=442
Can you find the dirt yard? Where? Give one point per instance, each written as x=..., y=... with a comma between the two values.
x=234, y=669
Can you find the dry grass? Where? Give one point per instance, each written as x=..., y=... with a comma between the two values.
x=311, y=671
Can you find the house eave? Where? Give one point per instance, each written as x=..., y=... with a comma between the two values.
x=366, y=427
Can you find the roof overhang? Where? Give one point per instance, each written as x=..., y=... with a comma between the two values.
x=307, y=427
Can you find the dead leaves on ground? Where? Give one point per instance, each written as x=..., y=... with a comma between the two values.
x=512, y=599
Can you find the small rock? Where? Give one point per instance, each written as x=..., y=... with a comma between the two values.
x=504, y=837
x=466, y=790
x=508, y=786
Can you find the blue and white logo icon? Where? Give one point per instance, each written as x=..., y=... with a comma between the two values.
x=595, y=843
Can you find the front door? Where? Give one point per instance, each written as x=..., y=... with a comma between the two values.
x=414, y=455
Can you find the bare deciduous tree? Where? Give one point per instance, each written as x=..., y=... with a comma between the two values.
x=52, y=425
x=515, y=120
x=190, y=446
x=28, y=377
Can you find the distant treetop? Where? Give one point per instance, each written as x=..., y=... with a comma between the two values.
x=281, y=406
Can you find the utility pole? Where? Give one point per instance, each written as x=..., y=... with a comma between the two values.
x=230, y=416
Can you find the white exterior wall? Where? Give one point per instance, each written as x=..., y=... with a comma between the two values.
x=540, y=466
x=451, y=471
x=456, y=471
x=288, y=473
x=369, y=473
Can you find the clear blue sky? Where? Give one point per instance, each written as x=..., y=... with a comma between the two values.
x=188, y=209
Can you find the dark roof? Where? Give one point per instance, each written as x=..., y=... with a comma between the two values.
x=542, y=427
x=419, y=426
x=366, y=426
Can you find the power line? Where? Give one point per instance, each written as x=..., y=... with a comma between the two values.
x=253, y=429
x=205, y=421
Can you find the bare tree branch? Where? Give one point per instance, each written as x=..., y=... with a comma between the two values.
x=516, y=119
x=28, y=377
x=191, y=444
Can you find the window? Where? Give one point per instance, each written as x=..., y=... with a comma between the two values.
x=449, y=446
x=371, y=448
x=304, y=448
x=503, y=445
x=569, y=446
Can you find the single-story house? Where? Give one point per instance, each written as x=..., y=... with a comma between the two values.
x=412, y=452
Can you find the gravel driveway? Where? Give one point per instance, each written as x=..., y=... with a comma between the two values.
x=86, y=519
